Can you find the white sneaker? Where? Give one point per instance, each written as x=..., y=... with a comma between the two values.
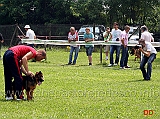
x=122, y=67
x=9, y=98
x=115, y=64
x=106, y=57
x=110, y=65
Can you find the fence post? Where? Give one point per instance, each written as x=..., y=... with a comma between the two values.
x=101, y=53
x=13, y=35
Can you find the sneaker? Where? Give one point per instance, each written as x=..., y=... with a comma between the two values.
x=9, y=98
x=73, y=63
x=21, y=98
x=122, y=67
x=115, y=64
x=106, y=57
x=127, y=66
x=110, y=65
x=69, y=63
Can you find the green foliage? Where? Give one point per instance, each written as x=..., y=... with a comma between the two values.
x=86, y=92
x=81, y=12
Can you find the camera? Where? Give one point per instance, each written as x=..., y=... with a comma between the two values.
x=138, y=46
x=117, y=39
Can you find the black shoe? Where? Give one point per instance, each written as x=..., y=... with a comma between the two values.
x=73, y=63
x=127, y=66
x=90, y=64
x=146, y=79
x=69, y=63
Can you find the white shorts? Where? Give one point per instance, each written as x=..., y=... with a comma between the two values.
x=106, y=48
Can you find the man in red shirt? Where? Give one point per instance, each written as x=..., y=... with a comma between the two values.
x=15, y=61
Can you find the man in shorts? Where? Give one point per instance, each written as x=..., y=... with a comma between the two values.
x=107, y=37
x=89, y=37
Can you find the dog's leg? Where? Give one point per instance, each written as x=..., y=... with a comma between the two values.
x=28, y=95
x=31, y=94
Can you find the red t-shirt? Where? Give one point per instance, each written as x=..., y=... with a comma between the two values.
x=22, y=50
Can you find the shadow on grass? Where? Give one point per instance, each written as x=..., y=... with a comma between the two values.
x=140, y=80
x=73, y=65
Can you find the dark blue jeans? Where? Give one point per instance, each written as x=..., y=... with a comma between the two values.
x=112, y=49
x=148, y=60
x=12, y=69
x=124, y=56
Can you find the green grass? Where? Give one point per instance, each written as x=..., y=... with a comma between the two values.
x=86, y=92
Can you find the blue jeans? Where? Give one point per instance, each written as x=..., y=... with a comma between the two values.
x=124, y=57
x=76, y=49
x=112, y=49
x=148, y=60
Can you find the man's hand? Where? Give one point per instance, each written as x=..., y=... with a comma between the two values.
x=86, y=40
x=125, y=46
x=29, y=73
x=2, y=41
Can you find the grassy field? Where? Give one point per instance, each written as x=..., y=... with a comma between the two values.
x=86, y=92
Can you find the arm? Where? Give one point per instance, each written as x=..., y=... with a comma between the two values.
x=152, y=39
x=25, y=63
x=89, y=39
x=110, y=36
x=146, y=53
x=1, y=38
x=122, y=41
x=23, y=70
x=76, y=39
x=105, y=35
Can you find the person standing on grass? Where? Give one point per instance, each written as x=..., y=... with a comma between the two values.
x=124, y=43
x=107, y=37
x=89, y=37
x=72, y=38
x=149, y=55
x=29, y=34
x=1, y=41
x=15, y=61
x=146, y=35
x=116, y=34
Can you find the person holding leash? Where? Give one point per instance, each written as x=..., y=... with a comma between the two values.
x=149, y=55
x=15, y=61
